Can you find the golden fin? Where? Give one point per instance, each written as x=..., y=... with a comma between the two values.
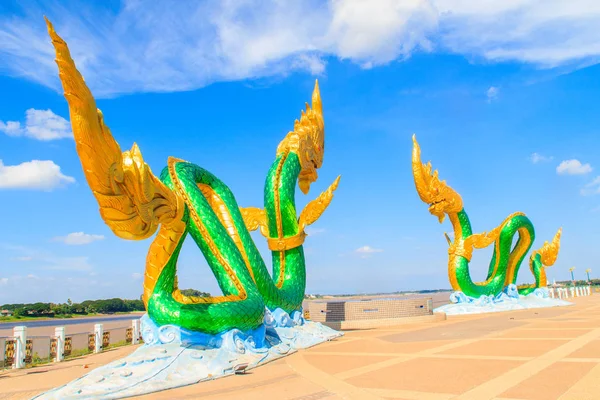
x=549, y=251
x=316, y=207
x=484, y=239
x=255, y=218
x=133, y=202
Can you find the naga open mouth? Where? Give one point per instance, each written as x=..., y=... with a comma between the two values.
x=433, y=205
x=433, y=210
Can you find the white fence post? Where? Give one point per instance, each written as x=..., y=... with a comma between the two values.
x=135, y=325
x=98, y=333
x=551, y=293
x=20, y=333
x=59, y=334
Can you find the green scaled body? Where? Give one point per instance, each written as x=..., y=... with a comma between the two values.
x=506, y=259
x=245, y=313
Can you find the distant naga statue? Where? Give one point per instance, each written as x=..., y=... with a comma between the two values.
x=444, y=201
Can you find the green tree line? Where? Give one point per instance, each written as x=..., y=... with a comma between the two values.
x=581, y=282
x=105, y=306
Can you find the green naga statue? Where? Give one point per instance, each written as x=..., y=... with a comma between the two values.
x=506, y=259
x=187, y=199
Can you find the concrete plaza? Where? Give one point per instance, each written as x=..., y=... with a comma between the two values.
x=543, y=354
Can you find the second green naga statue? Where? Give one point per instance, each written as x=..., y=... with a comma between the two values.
x=506, y=259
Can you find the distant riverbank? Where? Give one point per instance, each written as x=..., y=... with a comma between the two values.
x=8, y=322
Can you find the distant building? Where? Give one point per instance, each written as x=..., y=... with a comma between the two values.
x=6, y=313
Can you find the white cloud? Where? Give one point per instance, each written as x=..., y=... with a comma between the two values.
x=548, y=33
x=175, y=46
x=78, y=238
x=492, y=93
x=573, y=167
x=592, y=188
x=374, y=33
x=538, y=158
x=39, y=124
x=367, y=251
x=3, y=281
x=137, y=276
x=36, y=174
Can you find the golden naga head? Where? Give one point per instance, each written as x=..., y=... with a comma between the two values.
x=442, y=199
x=307, y=140
x=549, y=251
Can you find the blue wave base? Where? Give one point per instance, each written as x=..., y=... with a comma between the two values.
x=172, y=357
x=508, y=300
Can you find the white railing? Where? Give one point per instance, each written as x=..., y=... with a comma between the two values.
x=18, y=351
x=573, y=291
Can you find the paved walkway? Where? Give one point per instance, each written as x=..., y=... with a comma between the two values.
x=539, y=354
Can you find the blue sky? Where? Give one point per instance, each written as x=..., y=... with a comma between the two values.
x=503, y=98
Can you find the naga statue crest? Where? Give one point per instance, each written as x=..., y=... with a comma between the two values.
x=506, y=260
x=308, y=141
x=442, y=199
x=186, y=199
